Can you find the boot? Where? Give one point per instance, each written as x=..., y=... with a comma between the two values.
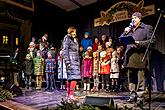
x=40, y=82
x=63, y=86
x=121, y=88
x=88, y=88
x=72, y=89
x=37, y=83
x=97, y=88
x=107, y=88
x=102, y=88
x=112, y=88
x=51, y=85
x=54, y=84
x=94, y=86
x=47, y=85
x=68, y=88
x=85, y=86
x=29, y=88
x=97, y=85
x=29, y=83
x=115, y=88
x=132, y=87
x=93, y=89
x=77, y=87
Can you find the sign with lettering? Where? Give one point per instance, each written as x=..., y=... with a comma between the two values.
x=123, y=11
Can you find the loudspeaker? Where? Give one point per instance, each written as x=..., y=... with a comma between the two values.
x=98, y=101
x=13, y=89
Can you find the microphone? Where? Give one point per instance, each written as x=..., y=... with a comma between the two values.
x=131, y=26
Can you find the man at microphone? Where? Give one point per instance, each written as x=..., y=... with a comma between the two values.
x=137, y=70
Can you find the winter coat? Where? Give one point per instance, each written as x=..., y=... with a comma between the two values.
x=95, y=47
x=50, y=65
x=114, y=65
x=114, y=68
x=95, y=67
x=134, y=53
x=61, y=67
x=71, y=57
x=86, y=42
x=87, y=70
x=38, y=65
x=105, y=67
x=28, y=67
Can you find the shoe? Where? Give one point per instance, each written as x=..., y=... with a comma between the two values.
x=72, y=98
x=107, y=90
x=93, y=89
x=131, y=99
x=145, y=92
x=30, y=89
x=38, y=88
x=102, y=90
x=26, y=88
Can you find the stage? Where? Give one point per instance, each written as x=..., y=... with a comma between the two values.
x=40, y=99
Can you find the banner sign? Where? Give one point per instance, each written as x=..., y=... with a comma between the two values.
x=123, y=11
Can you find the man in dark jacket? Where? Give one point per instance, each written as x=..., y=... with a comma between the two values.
x=141, y=33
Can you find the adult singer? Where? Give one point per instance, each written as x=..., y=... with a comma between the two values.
x=137, y=70
x=72, y=61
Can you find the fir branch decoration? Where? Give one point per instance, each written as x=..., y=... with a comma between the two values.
x=5, y=94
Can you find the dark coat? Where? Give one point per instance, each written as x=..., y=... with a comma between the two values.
x=28, y=67
x=71, y=57
x=134, y=53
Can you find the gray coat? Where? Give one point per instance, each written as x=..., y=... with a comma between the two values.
x=134, y=53
x=71, y=56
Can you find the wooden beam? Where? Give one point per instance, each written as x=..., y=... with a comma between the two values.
x=20, y=5
x=75, y=2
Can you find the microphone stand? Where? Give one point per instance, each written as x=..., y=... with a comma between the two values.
x=149, y=58
x=151, y=38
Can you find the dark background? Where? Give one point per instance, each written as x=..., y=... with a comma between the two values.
x=50, y=19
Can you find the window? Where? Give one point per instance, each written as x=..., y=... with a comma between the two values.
x=16, y=41
x=5, y=39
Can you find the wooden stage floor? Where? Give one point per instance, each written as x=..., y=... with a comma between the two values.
x=39, y=99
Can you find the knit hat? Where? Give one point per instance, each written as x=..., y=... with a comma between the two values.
x=31, y=44
x=43, y=37
x=28, y=57
x=137, y=14
x=108, y=43
x=103, y=54
x=89, y=48
x=52, y=48
x=87, y=33
x=49, y=52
